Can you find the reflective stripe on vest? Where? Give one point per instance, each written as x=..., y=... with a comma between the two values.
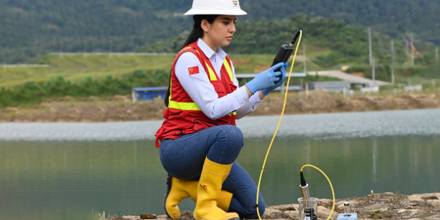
x=186, y=106
x=228, y=70
x=192, y=106
x=212, y=75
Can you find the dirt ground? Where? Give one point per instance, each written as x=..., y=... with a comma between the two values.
x=121, y=108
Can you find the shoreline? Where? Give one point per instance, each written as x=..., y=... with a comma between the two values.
x=386, y=205
x=121, y=108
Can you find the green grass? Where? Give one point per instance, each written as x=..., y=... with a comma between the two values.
x=80, y=66
x=82, y=75
x=75, y=67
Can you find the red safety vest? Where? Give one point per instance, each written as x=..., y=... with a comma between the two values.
x=183, y=115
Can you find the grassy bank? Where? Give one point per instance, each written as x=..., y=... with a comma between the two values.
x=31, y=93
x=76, y=67
x=105, y=75
x=101, y=75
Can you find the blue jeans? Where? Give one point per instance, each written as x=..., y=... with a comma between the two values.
x=183, y=158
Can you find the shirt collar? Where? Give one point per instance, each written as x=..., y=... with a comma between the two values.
x=208, y=51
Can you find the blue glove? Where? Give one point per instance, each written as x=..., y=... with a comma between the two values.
x=266, y=79
x=280, y=81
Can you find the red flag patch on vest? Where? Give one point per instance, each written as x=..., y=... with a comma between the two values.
x=193, y=70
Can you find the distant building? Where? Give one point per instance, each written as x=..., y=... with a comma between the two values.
x=148, y=93
x=334, y=86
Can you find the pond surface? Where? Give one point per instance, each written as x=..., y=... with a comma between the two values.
x=73, y=180
x=73, y=176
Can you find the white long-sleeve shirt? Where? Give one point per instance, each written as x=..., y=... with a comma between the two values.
x=202, y=92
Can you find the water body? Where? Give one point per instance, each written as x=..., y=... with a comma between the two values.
x=364, y=124
x=74, y=179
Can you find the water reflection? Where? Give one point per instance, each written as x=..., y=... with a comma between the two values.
x=374, y=158
x=70, y=180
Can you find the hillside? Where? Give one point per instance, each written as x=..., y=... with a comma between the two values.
x=329, y=43
x=30, y=28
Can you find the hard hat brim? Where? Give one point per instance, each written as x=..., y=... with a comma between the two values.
x=198, y=11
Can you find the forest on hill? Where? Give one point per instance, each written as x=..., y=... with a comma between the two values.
x=31, y=28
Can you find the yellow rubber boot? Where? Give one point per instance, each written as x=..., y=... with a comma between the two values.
x=178, y=190
x=209, y=190
x=181, y=189
x=224, y=201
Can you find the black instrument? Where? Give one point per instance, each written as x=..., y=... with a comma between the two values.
x=286, y=50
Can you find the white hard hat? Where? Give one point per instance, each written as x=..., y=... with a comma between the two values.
x=215, y=7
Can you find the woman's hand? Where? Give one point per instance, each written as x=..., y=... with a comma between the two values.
x=279, y=82
x=268, y=78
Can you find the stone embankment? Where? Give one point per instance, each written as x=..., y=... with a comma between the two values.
x=121, y=108
x=374, y=206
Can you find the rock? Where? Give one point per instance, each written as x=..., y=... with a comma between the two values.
x=287, y=207
x=272, y=213
x=434, y=217
x=292, y=214
x=131, y=217
x=430, y=197
x=435, y=203
x=324, y=212
x=377, y=206
x=379, y=214
x=325, y=202
x=408, y=212
x=424, y=197
x=187, y=215
x=162, y=217
x=148, y=216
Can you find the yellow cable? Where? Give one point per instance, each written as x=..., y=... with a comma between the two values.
x=278, y=123
x=329, y=183
x=276, y=133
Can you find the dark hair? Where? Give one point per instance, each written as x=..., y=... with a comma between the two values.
x=196, y=33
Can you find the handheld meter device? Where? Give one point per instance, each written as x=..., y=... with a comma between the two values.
x=286, y=50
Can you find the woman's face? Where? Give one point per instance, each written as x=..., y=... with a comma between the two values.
x=221, y=31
